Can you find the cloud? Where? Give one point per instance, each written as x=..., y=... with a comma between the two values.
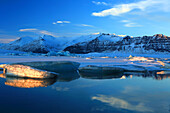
x=121, y=104
x=61, y=22
x=60, y=88
x=84, y=25
x=132, y=25
x=124, y=21
x=96, y=33
x=128, y=23
x=144, y=5
x=34, y=30
x=100, y=3
x=7, y=38
x=130, y=89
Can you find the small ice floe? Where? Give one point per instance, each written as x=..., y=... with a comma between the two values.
x=96, y=72
x=141, y=59
x=104, y=57
x=123, y=77
x=164, y=64
x=88, y=58
x=130, y=56
x=26, y=71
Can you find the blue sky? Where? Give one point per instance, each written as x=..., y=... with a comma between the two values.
x=80, y=17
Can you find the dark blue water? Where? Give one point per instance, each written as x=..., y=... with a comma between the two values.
x=74, y=94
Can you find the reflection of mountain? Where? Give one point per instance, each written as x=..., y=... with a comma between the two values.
x=94, y=72
x=151, y=74
x=29, y=83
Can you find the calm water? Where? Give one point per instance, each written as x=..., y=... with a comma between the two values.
x=131, y=93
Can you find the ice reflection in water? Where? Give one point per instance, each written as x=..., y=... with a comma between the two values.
x=29, y=83
x=66, y=77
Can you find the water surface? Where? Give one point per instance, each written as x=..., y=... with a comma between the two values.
x=71, y=93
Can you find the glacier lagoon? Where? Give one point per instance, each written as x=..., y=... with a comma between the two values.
x=127, y=92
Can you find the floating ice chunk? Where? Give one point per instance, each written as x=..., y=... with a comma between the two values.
x=26, y=71
x=141, y=59
x=95, y=72
x=165, y=65
x=47, y=69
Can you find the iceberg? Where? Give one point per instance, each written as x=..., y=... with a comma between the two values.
x=45, y=69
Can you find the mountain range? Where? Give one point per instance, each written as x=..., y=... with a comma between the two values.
x=91, y=43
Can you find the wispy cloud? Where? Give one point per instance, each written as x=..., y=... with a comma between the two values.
x=38, y=31
x=84, y=25
x=144, y=5
x=7, y=38
x=128, y=23
x=125, y=21
x=100, y=3
x=31, y=29
x=132, y=25
x=61, y=22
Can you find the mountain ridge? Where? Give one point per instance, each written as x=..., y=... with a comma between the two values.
x=90, y=43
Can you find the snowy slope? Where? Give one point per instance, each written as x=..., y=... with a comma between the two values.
x=36, y=44
x=22, y=41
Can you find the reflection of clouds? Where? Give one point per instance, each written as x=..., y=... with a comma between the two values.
x=61, y=88
x=120, y=103
x=128, y=89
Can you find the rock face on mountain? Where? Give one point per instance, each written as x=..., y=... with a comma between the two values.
x=107, y=42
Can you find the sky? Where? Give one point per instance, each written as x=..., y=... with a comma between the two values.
x=70, y=18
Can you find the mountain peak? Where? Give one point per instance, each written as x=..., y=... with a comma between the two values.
x=161, y=36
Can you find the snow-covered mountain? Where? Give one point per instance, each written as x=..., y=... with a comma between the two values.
x=91, y=43
x=36, y=44
x=45, y=44
x=108, y=42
